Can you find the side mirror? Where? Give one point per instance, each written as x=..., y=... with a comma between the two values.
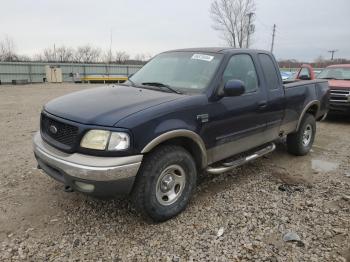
x=234, y=88
x=304, y=77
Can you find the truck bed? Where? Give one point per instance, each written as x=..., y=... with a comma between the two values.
x=298, y=95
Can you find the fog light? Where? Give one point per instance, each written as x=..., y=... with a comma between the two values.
x=84, y=187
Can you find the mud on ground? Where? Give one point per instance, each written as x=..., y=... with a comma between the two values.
x=253, y=207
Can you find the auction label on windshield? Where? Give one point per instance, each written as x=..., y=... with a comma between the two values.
x=207, y=58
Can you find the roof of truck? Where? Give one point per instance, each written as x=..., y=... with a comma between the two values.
x=217, y=50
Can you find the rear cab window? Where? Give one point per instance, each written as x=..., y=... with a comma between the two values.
x=270, y=73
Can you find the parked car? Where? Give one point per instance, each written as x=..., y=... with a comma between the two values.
x=184, y=112
x=305, y=72
x=339, y=82
x=286, y=75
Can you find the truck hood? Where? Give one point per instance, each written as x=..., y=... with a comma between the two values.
x=105, y=106
x=340, y=84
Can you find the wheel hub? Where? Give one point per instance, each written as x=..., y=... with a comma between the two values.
x=170, y=185
x=307, y=135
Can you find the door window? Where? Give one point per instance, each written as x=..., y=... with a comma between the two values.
x=241, y=67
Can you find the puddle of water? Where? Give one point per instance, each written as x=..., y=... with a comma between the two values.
x=323, y=166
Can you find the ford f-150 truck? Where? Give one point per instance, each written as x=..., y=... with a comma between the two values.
x=184, y=112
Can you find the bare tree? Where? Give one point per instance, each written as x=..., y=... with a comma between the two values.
x=143, y=57
x=7, y=50
x=233, y=19
x=107, y=56
x=64, y=54
x=87, y=54
x=121, y=57
x=49, y=55
x=24, y=58
x=61, y=54
x=38, y=57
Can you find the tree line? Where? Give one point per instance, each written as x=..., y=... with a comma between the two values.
x=63, y=54
x=319, y=62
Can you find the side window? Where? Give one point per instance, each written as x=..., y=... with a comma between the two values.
x=304, y=72
x=270, y=73
x=241, y=67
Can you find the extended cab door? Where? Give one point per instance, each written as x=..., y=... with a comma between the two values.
x=237, y=124
x=275, y=92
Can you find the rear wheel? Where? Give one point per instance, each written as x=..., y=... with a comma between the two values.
x=300, y=143
x=165, y=183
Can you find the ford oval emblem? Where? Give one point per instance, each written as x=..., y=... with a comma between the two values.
x=53, y=129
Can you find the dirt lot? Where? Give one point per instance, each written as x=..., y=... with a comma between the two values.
x=254, y=206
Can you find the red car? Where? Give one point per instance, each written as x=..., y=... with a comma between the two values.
x=339, y=83
x=306, y=72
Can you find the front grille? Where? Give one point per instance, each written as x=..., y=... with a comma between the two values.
x=340, y=96
x=60, y=132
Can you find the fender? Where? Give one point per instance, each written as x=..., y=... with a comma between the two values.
x=178, y=134
x=306, y=108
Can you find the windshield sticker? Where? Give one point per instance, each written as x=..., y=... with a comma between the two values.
x=202, y=57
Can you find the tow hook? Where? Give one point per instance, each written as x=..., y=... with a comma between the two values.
x=68, y=189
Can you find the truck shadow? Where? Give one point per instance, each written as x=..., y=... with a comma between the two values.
x=345, y=119
x=270, y=168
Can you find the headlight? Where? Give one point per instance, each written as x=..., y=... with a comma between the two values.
x=99, y=139
x=118, y=141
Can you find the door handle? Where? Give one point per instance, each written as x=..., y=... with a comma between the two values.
x=262, y=104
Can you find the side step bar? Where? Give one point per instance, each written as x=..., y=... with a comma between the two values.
x=238, y=162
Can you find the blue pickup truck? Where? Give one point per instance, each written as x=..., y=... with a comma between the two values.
x=185, y=112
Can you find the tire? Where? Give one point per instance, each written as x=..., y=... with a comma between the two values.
x=165, y=183
x=300, y=143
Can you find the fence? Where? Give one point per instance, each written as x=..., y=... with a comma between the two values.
x=35, y=72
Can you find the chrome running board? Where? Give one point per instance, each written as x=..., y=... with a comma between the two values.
x=240, y=161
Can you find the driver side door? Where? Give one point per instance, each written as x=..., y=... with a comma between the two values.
x=237, y=123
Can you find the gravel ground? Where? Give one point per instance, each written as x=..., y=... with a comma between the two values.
x=238, y=216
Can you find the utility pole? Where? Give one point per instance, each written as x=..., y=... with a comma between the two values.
x=54, y=53
x=273, y=37
x=332, y=52
x=110, y=47
x=249, y=27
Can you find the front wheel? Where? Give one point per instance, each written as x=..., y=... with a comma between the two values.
x=165, y=183
x=300, y=143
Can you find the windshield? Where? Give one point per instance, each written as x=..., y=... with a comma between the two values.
x=338, y=73
x=181, y=71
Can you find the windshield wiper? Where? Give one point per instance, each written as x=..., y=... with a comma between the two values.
x=329, y=78
x=157, y=84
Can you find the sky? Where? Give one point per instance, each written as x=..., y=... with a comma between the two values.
x=306, y=29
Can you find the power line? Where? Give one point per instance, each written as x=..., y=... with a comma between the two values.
x=262, y=23
x=273, y=37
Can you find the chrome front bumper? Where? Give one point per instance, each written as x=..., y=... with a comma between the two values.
x=85, y=167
